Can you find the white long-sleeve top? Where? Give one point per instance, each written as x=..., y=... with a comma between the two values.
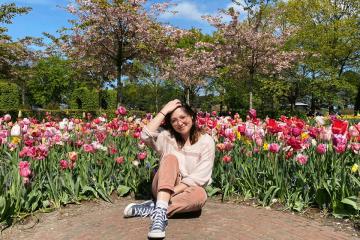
x=195, y=161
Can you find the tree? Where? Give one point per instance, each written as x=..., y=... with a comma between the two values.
x=328, y=33
x=9, y=50
x=253, y=47
x=111, y=33
x=192, y=64
x=52, y=81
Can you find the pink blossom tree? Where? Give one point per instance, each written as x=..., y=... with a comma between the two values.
x=112, y=34
x=253, y=47
x=191, y=65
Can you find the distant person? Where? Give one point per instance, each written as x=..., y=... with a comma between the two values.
x=186, y=163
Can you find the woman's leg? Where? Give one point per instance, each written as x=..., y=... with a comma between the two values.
x=191, y=199
x=163, y=185
x=167, y=177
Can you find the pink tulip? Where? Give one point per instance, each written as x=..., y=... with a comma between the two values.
x=7, y=117
x=119, y=160
x=274, y=147
x=228, y=146
x=296, y=131
x=340, y=148
x=321, y=148
x=24, y=169
x=89, y=148
x=64, y=164
x=73, y=156
x=136, y=135
x=355, y=147
x=141, y=155
x=259, y=141
x=220, y=147
x=353, y=131
x=252, y=113
x=301, y=159
x=121, y=110
x=228, y=132
x=226, y=159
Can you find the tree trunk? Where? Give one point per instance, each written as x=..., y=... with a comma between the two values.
x=251, y=80
x=23, y=95
x=187, y=89
x=250, y=100
x=119, y=86
x=156, y=94
x=357, y=102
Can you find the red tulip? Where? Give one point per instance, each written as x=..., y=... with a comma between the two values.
x=339, y=126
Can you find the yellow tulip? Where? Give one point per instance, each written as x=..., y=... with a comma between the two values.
x=15, y=140
x=304, y=136
x=266, y=146
x=354, y=168
x=238, y=135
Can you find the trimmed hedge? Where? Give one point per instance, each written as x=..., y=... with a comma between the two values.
x=9, y=96
x=67, y=113
x=83, y=98
x=86, y=99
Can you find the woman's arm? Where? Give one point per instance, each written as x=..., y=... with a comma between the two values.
x=155, y=123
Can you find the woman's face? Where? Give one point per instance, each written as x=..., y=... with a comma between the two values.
x=181, y=121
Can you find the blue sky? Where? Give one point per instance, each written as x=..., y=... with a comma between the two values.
x=49, y=16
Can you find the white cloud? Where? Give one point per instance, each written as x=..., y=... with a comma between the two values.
x=185, y=10
x=236, y=7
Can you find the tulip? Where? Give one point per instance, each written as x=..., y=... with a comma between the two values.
x=274, y=147
x=24, y=169
x=119, y=160
x=121, y=110
x=73, y=156
x=320, y=120
x=321, y=148
x=355, y=147
x=252, y=113
x=296, y=131
x=7, y=118
x=354, y=168
x=64, y=164
x=301, y=159
x=15, y=130
x=226, y=159
x=142, y=155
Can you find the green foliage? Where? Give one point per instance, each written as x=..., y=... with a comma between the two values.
x=51, y=82
x=83, y=98
x=108, y=99
x=9, y=96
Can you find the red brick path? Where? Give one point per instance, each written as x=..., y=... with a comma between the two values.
x=218, y=221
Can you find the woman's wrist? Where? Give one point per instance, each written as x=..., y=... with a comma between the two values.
x=162, y=113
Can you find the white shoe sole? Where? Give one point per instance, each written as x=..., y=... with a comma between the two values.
x=156, y=235
x=128, y=213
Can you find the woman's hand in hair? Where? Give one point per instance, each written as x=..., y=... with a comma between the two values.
x=171, y=106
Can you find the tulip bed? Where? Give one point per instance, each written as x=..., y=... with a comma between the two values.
x=49, y=163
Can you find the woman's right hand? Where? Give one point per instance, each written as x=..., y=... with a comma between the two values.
x=171, y=106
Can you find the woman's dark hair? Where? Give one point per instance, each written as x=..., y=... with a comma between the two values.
x=195, y=132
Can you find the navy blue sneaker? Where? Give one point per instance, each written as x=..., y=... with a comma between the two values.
x=159, y=221
x=139, y=209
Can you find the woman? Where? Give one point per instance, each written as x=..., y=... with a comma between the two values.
x=187, y=158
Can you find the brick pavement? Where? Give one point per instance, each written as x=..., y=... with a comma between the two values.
x=100, y=220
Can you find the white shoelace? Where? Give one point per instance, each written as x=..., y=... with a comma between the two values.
x=159, y=219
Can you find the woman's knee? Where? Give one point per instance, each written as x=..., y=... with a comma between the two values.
x=197, y=194
x=169, y=159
